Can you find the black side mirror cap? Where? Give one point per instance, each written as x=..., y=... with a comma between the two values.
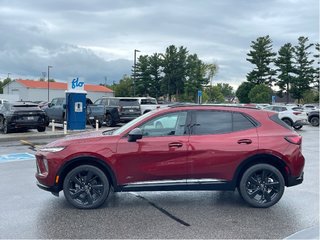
x=134, y=135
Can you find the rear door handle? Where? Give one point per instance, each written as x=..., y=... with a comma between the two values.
x=244, y=141
x=175, y=145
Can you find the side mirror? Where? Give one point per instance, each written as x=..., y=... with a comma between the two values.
x=64, y=106
x=49, y=105
x=134, y=135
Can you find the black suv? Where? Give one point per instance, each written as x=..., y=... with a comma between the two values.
x=21, y=115
x=128, y=108
x=313, y=118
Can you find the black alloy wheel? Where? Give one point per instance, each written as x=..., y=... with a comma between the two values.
x=41, y=129
x=262, y=185
x=86, y=187
x=108, y=120
x=314, y=121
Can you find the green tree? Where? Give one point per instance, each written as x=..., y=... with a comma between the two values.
x=226, y=90
x=261, y=56
x=317, y=69
x=285, y=69
x=174, y=69
x=143, y=83
x=124, y=87
x=243, y=90
x=303, y=68
x=260, y=94
x=155, y=70
x=195, y=77
x=213, y=94
x=3, y=83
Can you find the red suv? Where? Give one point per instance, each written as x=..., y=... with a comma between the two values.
x=177, y=148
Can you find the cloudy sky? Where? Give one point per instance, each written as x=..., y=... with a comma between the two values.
x=96, y=39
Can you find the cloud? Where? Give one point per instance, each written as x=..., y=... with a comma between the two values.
x=97, y=38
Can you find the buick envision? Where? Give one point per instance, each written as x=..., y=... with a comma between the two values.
x=191, y=147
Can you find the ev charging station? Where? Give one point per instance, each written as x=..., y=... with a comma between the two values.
x=76, y=105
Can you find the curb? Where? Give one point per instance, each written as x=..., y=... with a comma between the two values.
x=9, y=138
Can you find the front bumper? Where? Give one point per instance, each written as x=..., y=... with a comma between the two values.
x=53, y=189
x=292, y=181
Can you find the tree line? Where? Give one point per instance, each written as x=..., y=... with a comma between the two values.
x=294, y=70
x=175, y=75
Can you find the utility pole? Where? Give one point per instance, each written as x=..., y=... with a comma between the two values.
x=134, y=71
x=49, y=81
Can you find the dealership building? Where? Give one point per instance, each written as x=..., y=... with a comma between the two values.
x=31, y=90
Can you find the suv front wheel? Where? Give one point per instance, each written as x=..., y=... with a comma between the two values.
x=261, y=185
x=86, y=187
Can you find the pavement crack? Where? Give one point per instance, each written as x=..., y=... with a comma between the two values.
x=163, y=211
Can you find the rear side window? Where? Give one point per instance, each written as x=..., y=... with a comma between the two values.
x=129, y=102
x=148, y=101
x=277, y=120
x=219, y=122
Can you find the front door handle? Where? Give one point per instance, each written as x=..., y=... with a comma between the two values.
x=175, y=145
x=244, y=141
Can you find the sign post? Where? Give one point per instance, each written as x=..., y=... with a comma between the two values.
x=199, y=96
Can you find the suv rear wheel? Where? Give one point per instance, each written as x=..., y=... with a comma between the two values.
x=86, y=187
x=261, y=185
x=314, y=121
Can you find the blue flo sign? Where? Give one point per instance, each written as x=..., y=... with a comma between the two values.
x=76, y=85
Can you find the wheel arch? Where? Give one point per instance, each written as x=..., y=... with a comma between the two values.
x=85, y=160
x=287, y=118
x=261, y=158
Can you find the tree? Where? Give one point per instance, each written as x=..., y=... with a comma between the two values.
x=174, y=68
x=243, y=92
x=124, y=87
x=211, y=70
x=143, y=80
x=303, y=68
x=260, y=94
x=155, y=70
x=261, y=56
x=213, y=94
x=195, y=77
x=3, y=83
x=285, y=68
x=226, y=90
x=317, y=69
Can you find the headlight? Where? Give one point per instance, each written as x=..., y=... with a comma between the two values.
x=52, y=149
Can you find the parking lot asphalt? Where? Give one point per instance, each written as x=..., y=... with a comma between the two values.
x=28, y=212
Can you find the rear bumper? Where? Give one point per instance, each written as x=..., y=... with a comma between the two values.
x=292, y=181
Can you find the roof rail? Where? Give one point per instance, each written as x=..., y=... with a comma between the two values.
x=209, y=105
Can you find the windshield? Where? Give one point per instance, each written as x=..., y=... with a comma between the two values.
x=128, y=102
x=133, y=122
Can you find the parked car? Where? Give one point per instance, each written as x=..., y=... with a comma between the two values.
x=309, y=107
x=313, y=118
x=294, y=116
x=128, y=108
x=147, y=104
x=21, y=115
x=197, y=148
x=57, y=110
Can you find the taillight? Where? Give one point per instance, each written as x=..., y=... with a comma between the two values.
x=294, y=139
x=297, y=113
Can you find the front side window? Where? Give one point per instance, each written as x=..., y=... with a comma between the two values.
x=166, y=125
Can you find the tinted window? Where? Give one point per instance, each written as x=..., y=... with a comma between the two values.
x=212, y=122
x=113, y=102
x=166, y=125
x=98, y=101
x=240, y=122
x=148, y=101
x=129, y=102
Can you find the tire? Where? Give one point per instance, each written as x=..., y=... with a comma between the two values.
x=5, y=128
x=287, y=121
x=297, y=127
x=99, y=124
x=261, y=185
x=314, y=121
x=41, y=129
x=1, y=123
x=86, y=187
x=108, y=119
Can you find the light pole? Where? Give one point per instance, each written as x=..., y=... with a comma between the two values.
x=48, y=80
x=134, y=72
